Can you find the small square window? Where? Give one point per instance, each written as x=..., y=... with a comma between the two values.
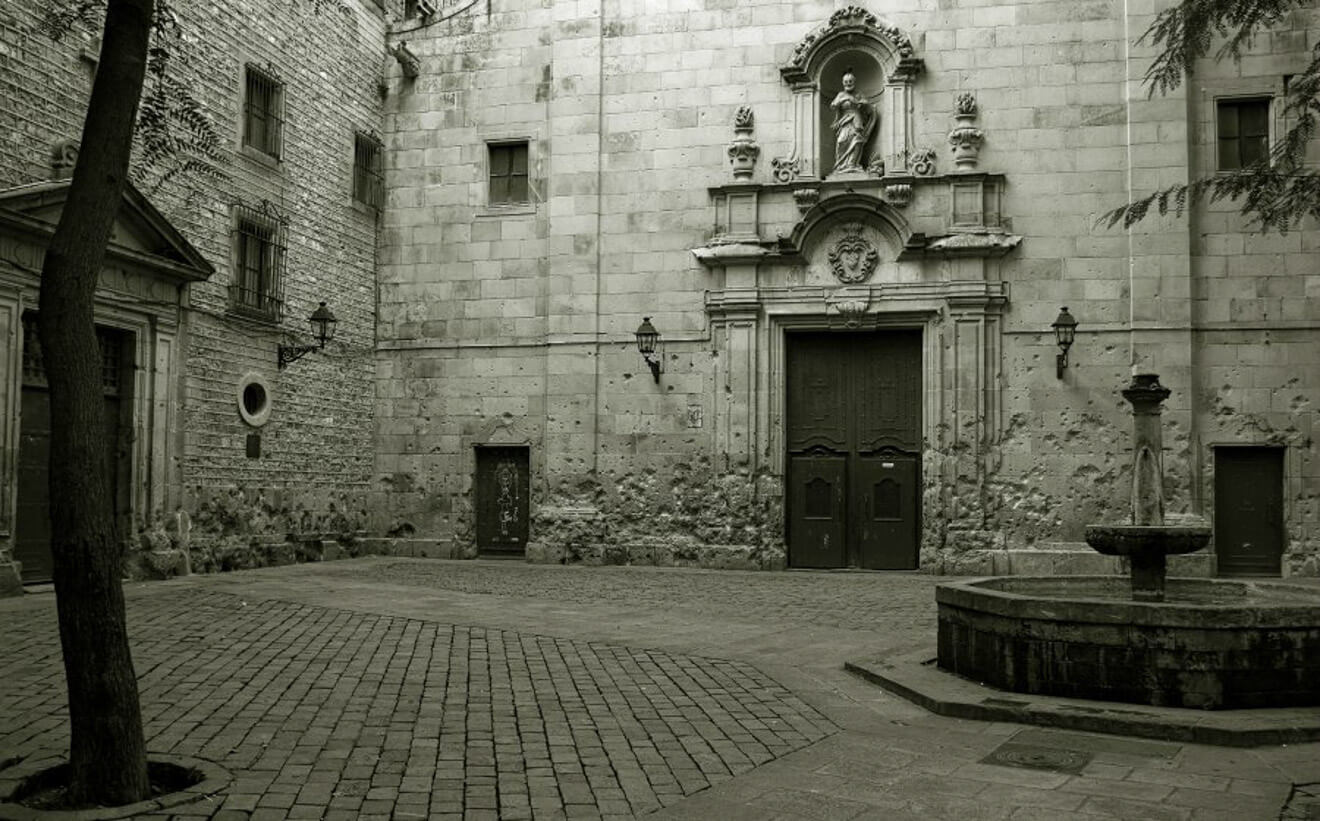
x=263, y=104
x=367, y=183
x=1243, y=132
x=508, y=173
x=259, y=246
x=418, y=8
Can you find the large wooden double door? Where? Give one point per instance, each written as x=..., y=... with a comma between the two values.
x=854, y=449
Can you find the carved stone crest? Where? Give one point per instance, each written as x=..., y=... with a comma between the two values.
x=853, y=258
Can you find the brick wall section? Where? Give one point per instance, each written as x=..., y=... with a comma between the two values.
x=628, y=109
x=315, y=451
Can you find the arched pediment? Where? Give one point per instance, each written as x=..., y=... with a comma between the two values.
x=851, y=28
x=850, y=208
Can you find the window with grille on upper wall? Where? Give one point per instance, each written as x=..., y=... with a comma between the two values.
x=367, y=184
x=259, y=246
x=263, y=112
x=1243, y=129
x=508, y=174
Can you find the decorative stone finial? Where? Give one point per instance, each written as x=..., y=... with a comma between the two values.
x=63, y=157
x=743, y=151
x=965, y=138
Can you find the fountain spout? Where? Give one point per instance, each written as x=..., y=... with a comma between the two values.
x=1147, y=542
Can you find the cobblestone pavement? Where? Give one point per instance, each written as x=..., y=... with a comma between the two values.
x=387, y=688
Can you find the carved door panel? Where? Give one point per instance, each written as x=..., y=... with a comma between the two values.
x=854, y=438
x=885, y=498
x=502, y=499
x=818, y=391
x=1249, y=511
x=817, y=511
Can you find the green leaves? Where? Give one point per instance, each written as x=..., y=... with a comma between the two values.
x=1276, y=192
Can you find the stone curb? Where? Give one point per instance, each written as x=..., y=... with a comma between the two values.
x=214, y=779
x=915, y=677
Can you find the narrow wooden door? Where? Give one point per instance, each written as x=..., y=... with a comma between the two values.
x=32, y=518
x=1249, y=511
x=502, y=499
x=854, y=444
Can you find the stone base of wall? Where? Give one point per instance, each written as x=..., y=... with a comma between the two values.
x=677, y=553
x=418, y=548
x=242, y=553
x=11, y=579
x=1057, y=559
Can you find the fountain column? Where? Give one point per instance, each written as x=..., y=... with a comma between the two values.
x=1146, y=395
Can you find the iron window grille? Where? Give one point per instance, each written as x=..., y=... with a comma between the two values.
x=1244, y=132
x=368, y=186
x=260, y=243
x=110, y=341
x=263, y=104
x=508, y=173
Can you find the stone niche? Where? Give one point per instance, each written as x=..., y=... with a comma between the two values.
x=879, y=58
x=891, y=242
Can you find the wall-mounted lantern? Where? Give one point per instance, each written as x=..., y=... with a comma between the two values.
x=323, y=329
x=1065, y=329
x=648, y=344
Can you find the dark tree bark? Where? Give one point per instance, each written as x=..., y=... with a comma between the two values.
x=107, y=754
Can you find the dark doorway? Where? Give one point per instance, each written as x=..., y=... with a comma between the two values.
x=854, y=448
x=32, y=519
x=1249, y=511
x=502, y=500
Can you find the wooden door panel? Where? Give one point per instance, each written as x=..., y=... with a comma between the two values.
x=886, y=503
x=1249, y=511
x=817, y=394
x=817, y=524
x=887, y=391
x=32, y=520
x=502, y=499
x=853, y=398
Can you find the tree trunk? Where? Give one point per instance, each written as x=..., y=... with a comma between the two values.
x=107, y=754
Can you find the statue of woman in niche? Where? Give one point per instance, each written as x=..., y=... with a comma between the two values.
x=853, y=123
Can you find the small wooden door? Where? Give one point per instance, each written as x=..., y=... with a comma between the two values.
x=502, y=500
x=32, y=517
x=854, y=445
x=1249, y=511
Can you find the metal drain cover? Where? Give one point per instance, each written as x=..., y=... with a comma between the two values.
x=1035, y=757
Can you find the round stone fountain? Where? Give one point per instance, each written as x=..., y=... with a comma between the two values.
x=1204, y=643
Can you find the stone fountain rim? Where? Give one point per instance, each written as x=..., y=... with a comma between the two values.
x=971, y=594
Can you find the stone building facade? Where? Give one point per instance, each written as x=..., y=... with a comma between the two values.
x=854, y=282
x=851, y=226
x=223, y=457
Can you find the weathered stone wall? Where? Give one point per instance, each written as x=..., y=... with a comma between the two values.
x=315, y=460
x=527, y=313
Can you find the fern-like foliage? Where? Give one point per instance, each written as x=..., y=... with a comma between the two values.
x=1278, y=191
x=59, y=20
x=176, y=139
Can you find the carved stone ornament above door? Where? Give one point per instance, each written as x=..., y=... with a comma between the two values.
x=856, y=71
x=853, y=258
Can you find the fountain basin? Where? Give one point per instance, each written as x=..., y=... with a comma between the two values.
x=1127, y=540
x=1212, y=644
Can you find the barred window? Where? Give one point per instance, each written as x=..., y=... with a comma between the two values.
x=367, y=185
x=508, y=173
x=1243, y=131
x=263, y=104
x=112, y=343
x=259, y=248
